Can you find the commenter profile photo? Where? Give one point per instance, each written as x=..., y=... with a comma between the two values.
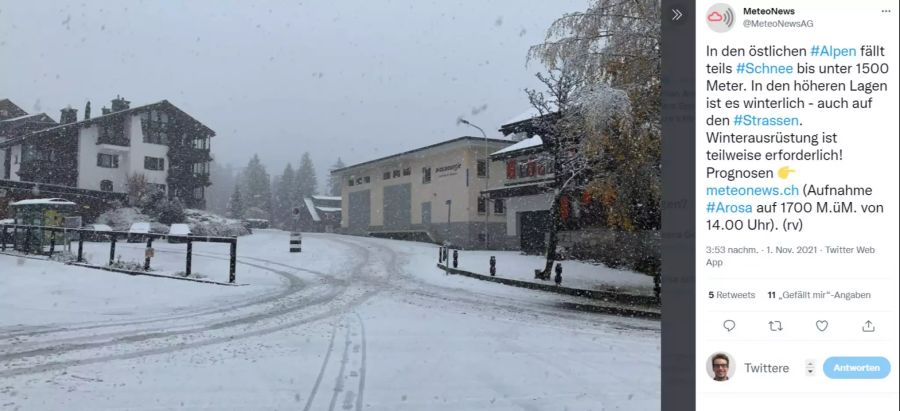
x=719, y=366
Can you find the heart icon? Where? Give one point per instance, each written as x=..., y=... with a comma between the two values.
x=821, y=325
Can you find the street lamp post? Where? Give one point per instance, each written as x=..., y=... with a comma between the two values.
x=486, y=177
x=449, y=203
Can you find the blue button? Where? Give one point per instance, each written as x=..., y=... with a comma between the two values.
x=856, y=368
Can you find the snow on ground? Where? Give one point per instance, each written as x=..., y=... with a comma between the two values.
x=576, y=274
x=349, y=323
x=40, y=293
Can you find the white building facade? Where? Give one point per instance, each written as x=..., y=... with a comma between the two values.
x=163, y=146
x=433, y=193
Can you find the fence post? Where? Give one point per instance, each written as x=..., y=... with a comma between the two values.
x=112, y=249
x=190, y=248
x=81, y=246
x=3, y=243
x=148, y=253
x=455, y=258
x=657, y=286
x=27, y=245
x=233, y=263
x=52, y=242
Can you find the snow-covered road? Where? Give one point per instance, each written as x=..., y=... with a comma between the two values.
x=350, y=323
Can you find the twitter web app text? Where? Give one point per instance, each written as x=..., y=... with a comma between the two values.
x=797, y=196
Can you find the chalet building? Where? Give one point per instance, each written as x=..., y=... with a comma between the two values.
x=9, y=110
x=15, y=121
x=527, y=188
x=430, y=193
x=167, y=146
x=320, y=214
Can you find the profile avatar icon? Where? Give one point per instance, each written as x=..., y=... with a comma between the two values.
x=720, y=367
x=720, y=17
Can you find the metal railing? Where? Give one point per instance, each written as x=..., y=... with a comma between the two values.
x=30, y=239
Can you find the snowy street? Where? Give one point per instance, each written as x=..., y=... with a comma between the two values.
x=349, y=323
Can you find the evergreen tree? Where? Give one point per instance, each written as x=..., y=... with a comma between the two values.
x=334, y=181
x=284, y=197
x=219, y=193
x=305, y=179
x=257, y=190
x=236, y=204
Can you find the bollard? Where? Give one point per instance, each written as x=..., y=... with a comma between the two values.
x=440, y=252
x=80, y=246
x=558, y=278
x=27, y=244
x=112, y=249
x=296, y=241
x=148, y=253
x=455, y=258
x=493, y=266
x=187, y=268
x=3, y=243
x=232, y=264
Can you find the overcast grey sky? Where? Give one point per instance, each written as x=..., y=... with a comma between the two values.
x=356, y=79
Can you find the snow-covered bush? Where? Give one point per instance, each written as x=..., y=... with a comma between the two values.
x=120, y=219
x=170, y=212
x=206, y=223
x=201, y=222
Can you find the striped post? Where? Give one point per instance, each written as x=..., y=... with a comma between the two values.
x=296, y=241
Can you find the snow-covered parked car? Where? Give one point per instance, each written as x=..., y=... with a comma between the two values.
x=177, y=233
x=137, y=231
x=99, y=232
x=256, y=223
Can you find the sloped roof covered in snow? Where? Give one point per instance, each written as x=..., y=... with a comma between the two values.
x=311, y=209
x=327, y=198
x=43, y=201
x=464, y=139
x=12, y=110
x=99, y=119
x=527, y=143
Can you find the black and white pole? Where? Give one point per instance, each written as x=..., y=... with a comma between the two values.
x=493, y=266
x=296, y=240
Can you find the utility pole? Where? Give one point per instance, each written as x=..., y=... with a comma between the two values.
x=487, y=174
x=449, y=204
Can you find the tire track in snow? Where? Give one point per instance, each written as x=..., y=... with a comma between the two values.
x=362, y=367
x=341, y=309
x=315, y=388
x=339, y=381
x=409, y=286
x=294, y=284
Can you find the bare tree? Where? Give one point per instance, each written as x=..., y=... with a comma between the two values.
x=138, y=189
x=553, y=106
